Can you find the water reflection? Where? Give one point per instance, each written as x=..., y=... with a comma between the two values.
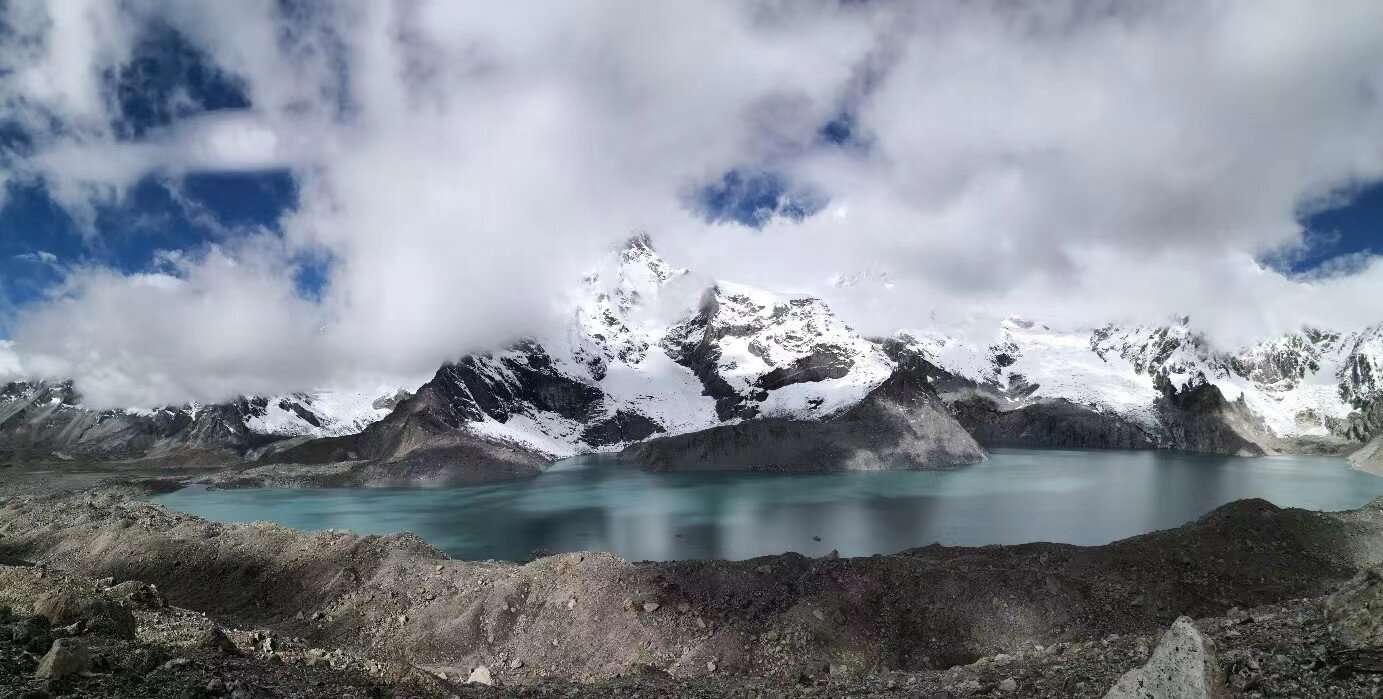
x=1014, y=497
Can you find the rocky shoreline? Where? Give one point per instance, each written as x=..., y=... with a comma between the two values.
x=381, y=616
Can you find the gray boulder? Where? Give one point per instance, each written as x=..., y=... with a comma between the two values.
x=215, y=640
x=1354, y=617
x=67, y=657
x=104, y=616
x=60, y=607
x=138, y=594
x=481, y=675
x=1183, y=666
x=1354, y=613
x=98, y=614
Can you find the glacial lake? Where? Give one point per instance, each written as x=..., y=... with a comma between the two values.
x=1018, y=495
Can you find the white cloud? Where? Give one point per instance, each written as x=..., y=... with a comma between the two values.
x=462, y=163
x=38, y=256
x=10, y=368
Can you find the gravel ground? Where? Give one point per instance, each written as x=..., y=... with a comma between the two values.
x=391, y=616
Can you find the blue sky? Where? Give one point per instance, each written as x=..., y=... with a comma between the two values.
x=165, y=80
x=372, y=188
x=40, y=239
x=186, y=213
x=1350, y=227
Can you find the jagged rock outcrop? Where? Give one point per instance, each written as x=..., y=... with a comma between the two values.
x=424, y=440
x=1183, y=666
x=901, y=424
x=746, y=345
x=1197, y=417
x=1052, y=423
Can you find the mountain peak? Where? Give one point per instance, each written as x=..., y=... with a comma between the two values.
x=638, y=242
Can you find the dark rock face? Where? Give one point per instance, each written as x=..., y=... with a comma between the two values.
x=523, y=377
x=1194, y=419
x=730, y=313
x=1008, y=410
x=901, y=424
x=623, y=427
x=825, y=363
x=1056, y=423
x=45, y=421
x=693, y=344
x=1362, y=381
x=430, y=437
x=1366, y=423
x=1198, y=418
x=425, y=440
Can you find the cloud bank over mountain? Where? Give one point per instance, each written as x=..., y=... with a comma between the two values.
x=458, y=167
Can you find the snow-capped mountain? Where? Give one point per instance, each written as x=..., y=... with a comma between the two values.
x=1132, y=384
x=633, y=365
x=672, y=369
x=621, y=373
x=47, y=419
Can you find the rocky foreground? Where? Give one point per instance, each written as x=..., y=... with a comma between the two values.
x=108, y=595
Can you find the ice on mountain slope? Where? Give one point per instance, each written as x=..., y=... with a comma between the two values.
x=39, y=418
x=655, y=354
x=545, y=432
x=1028, y=360
x=790, y=356
x=611, y=346
x=1294, y=383
x=617, y=337
x=324, y=413
x=742, y=353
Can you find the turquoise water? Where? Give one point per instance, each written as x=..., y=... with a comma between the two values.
x=1078, y=497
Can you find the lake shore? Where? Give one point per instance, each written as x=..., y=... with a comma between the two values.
x=929, y=620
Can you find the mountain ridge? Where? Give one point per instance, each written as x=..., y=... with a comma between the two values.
x=650, y=355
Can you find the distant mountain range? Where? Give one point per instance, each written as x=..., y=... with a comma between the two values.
x=46, y=421
x=741, y=377
x=1161, y=387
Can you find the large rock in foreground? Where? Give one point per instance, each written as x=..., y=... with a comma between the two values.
x=1353, y=611
x=900, y=425
x=66, y=658
x=1183, y=666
